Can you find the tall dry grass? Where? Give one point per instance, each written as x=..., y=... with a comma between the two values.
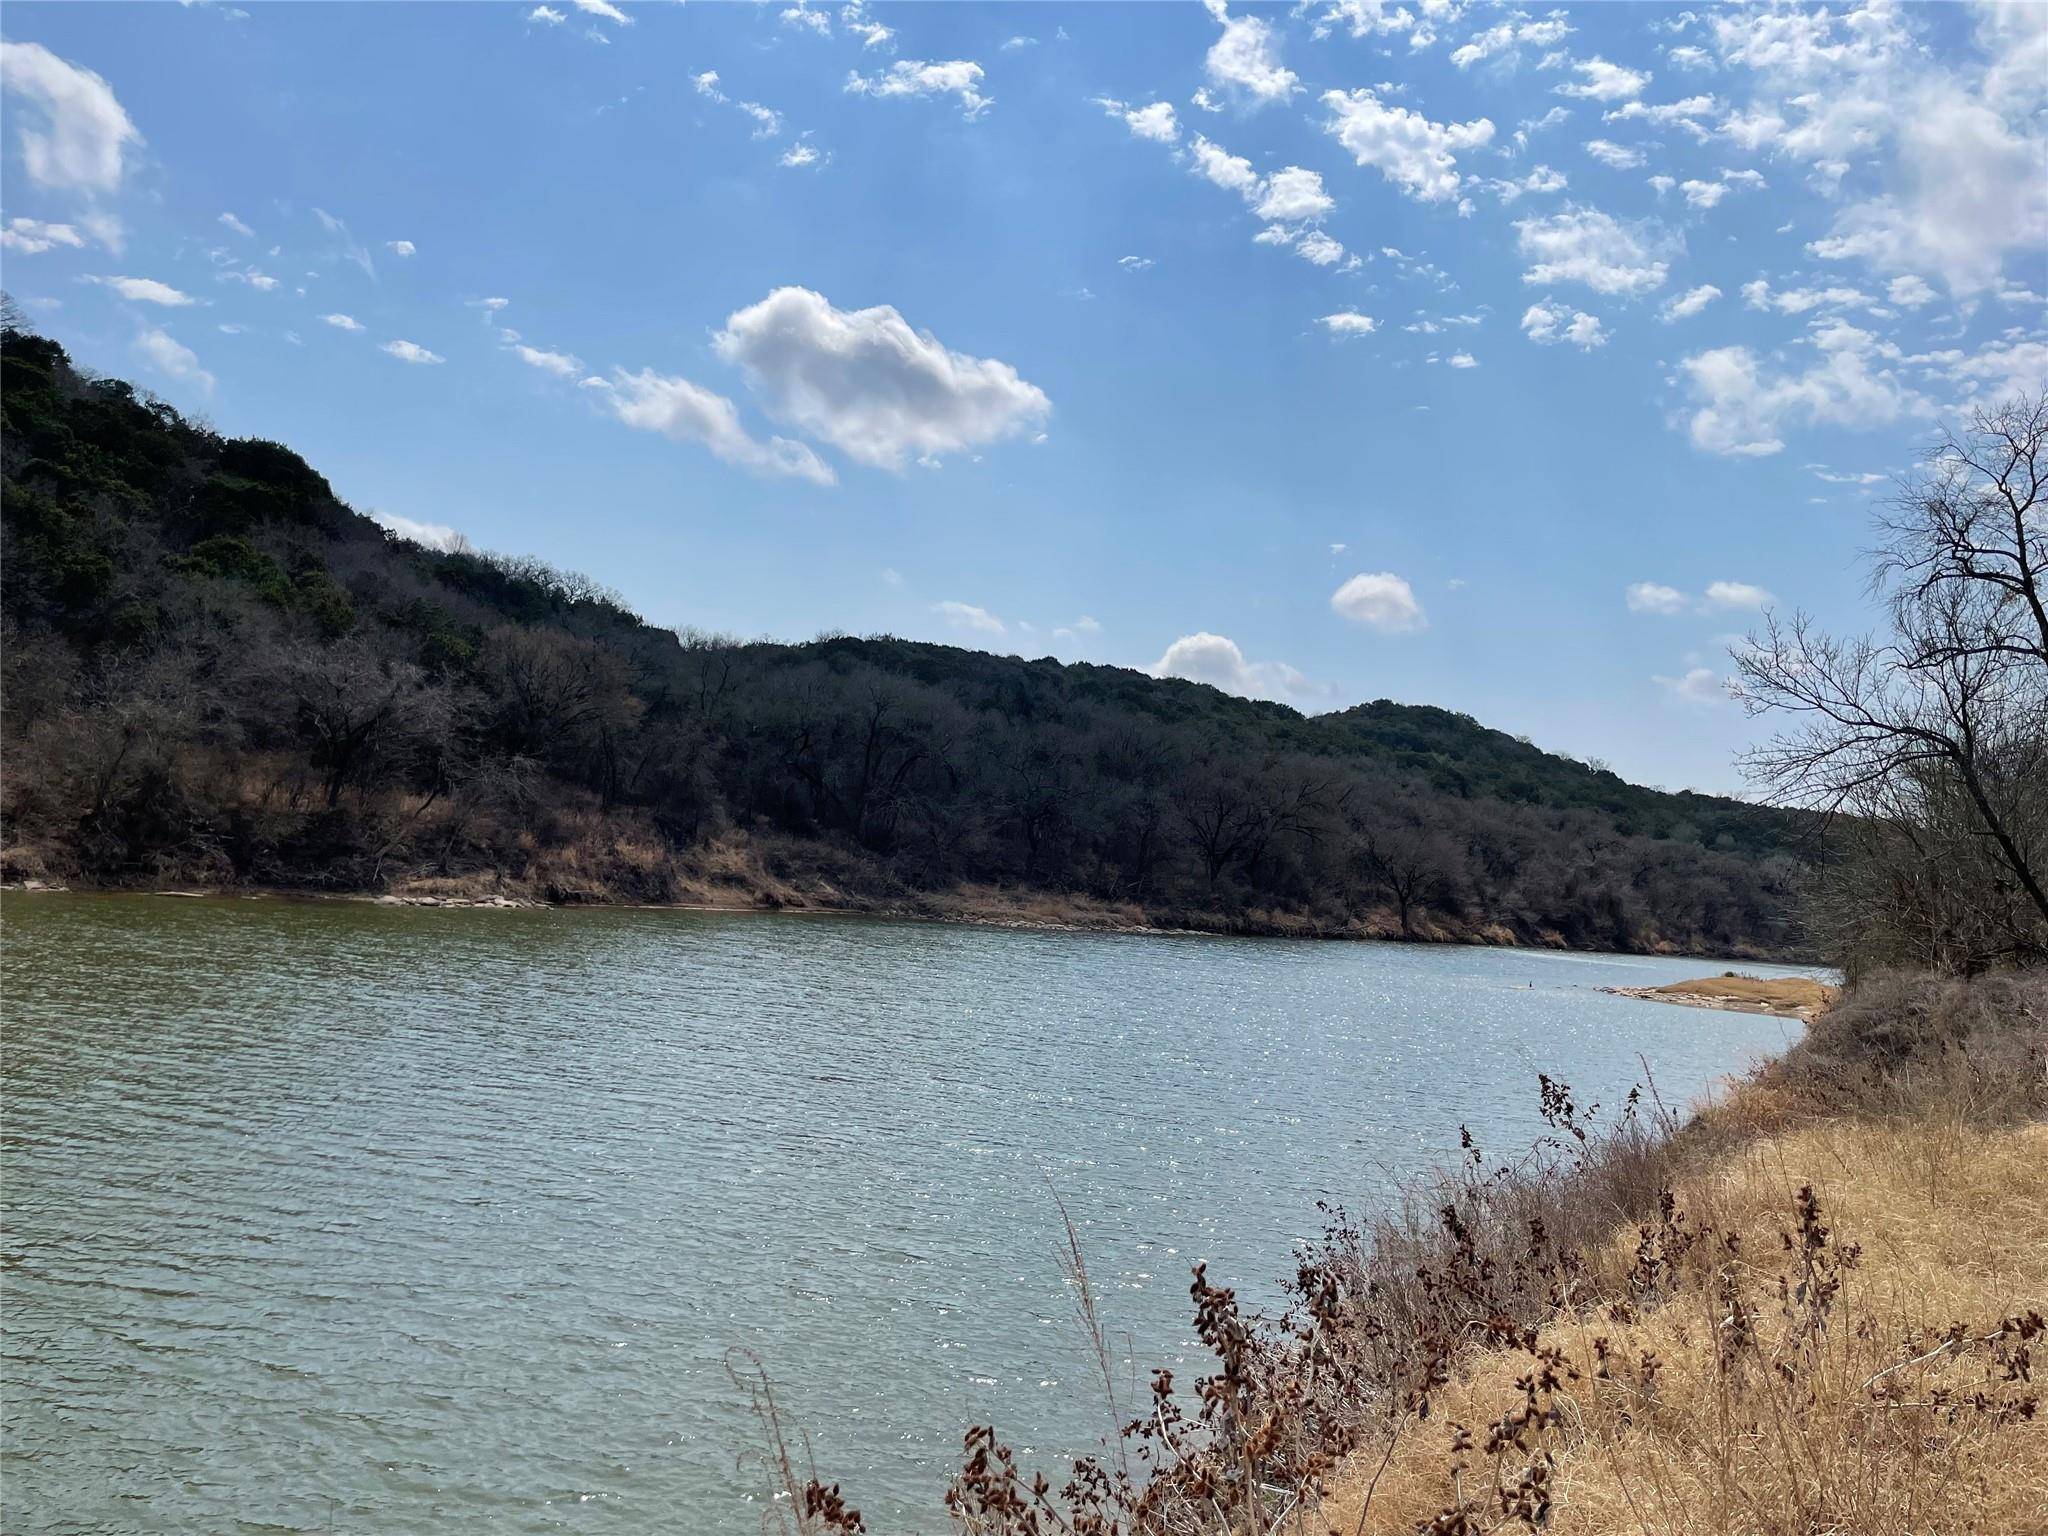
x=1813, y=1308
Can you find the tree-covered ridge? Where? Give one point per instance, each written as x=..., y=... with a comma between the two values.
x=217, y=671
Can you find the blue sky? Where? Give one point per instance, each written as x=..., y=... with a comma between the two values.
x=1499, y=358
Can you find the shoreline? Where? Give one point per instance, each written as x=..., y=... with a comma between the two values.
x=965, y=908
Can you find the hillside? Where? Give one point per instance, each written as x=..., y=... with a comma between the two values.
x=218, y=673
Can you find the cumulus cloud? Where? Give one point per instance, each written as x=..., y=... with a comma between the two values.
x=1293, y=195
x=1217, y=661
x=562, y=365
x=1685, y=305
x=1972, y=192
x=868, y=383
x=1155, y=121
x=144, y=290
x=74, y=135
x=31, y=237
x=1245, y=60
x=170, y=357
x=914, y=77
x=1601, y=81
x=1584, y=245
x=1233, y=173
x=411, y=352
x=1380, y=601
x=342, y=322
x=1418, y=156
x=1619, y=156
x=1655, y=597
x=401, y=247
x=1743, y=408
x=1547, y=324
x=1737, y=594
x=689, y=413
x=969, y=619
x=1349, y=322
x=1909, y=292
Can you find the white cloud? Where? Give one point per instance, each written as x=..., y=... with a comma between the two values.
x=1742, y=409
x=1362, y=18
x=1155, y=122
x=1135, y=264
x=914, y=77
x=1584, y=245
x=1619, y=156
x=1685, y=114
x=1417, y=155
x=546, y=15
x=229, y=220
x=688, y=413
x=967, y=617
x=144, y=290
x=1700, y=685
x=401, y=247
x=872, y=34
x=1737, y=594
x=31, y=237
x=1602, y=81
x=73, y=134
x=1685, y=305
x=1217, y=661
x=1245, y=60
x=1909, y=292
x=1798, y=301
x=171, y=358
x=1322, y=249
x=561, y=364
x=343, y=322
x=427, y=535
x=1972, y=191
x=1294, y=195
x=252, y=277
x=1233, y=173
x=802, y=17
x=1462, y=360
x=1547, y=324
x=1504, y=41
x=1349, y=322
x=767, y=121
x=1380, y=601
x=799, y=155
x=869, y=384
x=604, y=9
x=1655, y=597
x=411, y=352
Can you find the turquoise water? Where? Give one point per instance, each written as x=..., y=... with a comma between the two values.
x=327, y=1216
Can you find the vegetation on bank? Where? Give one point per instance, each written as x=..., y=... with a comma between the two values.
x=218, y=674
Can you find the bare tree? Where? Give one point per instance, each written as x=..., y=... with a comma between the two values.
x=1946, y=714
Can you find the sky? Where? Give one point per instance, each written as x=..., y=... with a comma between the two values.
x=1512, y=360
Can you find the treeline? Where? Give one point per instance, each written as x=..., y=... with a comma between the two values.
x=215, y=671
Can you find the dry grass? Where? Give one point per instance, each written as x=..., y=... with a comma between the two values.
x=1756, y=1397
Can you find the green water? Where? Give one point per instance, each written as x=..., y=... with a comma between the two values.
x=340, y=1217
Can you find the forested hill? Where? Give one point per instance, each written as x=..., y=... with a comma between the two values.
x=217, y=672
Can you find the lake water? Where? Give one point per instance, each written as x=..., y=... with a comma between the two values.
x=328, y=1216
